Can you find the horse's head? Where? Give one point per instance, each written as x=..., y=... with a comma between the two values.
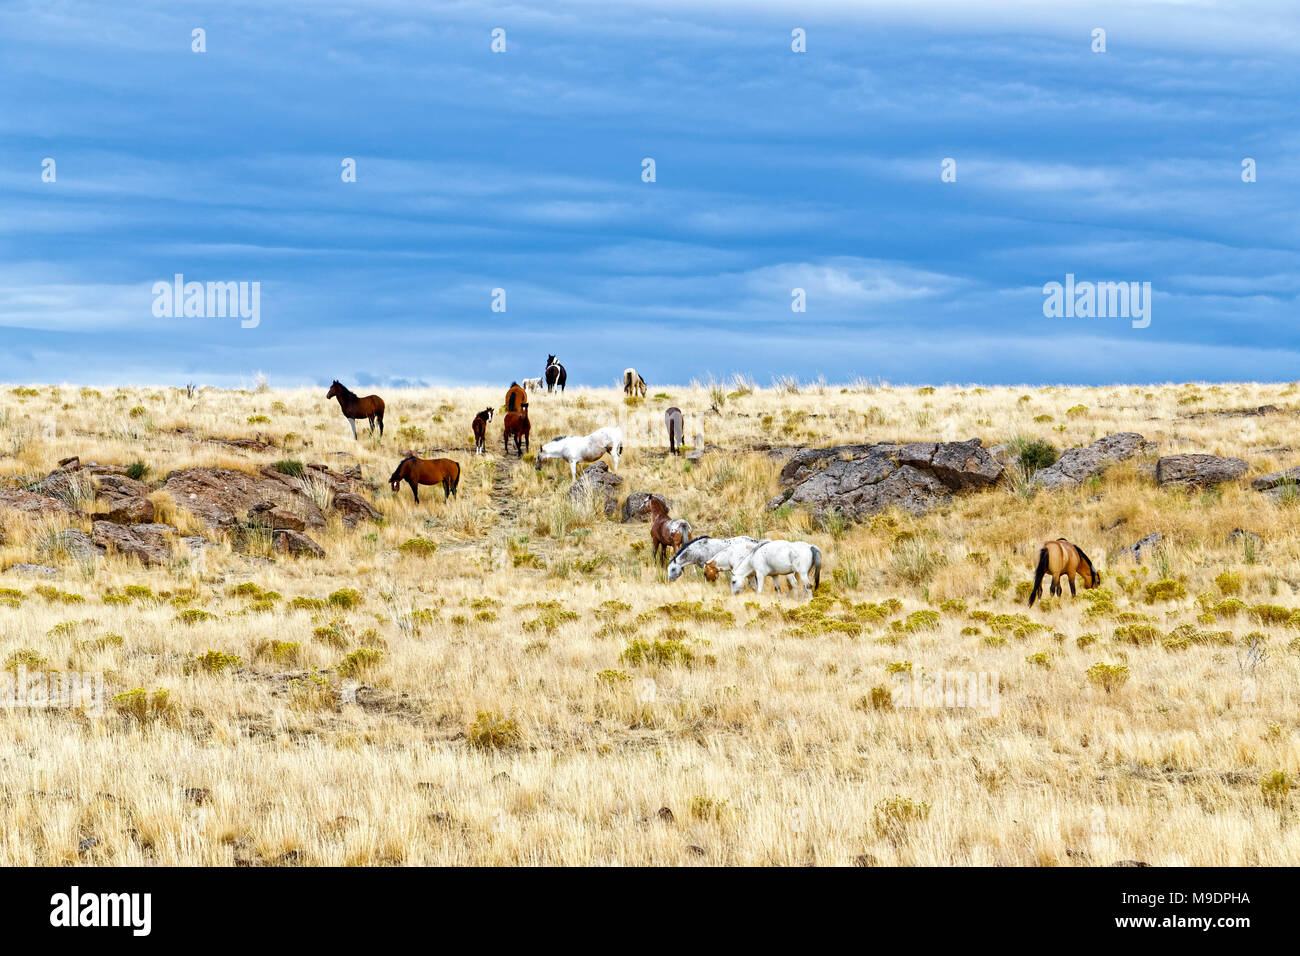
x=737, y=580
x=489, y=412
x=523, y=409
x=550, y=360
x=335, y=389
x=395, y=480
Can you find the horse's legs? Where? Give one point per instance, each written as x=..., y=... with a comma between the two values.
x=446, y=488
x=1070, y=575
x=415, y=489
x=353, y=423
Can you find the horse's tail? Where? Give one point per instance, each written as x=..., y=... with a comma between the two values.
x=455, y=478
x=817, y=566
x=1039, y=572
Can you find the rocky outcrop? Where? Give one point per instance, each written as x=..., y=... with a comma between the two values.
x=33, y=505
x=1142, y=548
x=73, y=542
x=222, y=497
x=354, y=509
x=597, y=480
x=149, y=543
x=1278, y=482
x=127, y=500
x=1198, y=470
x=297, y=544
x=1077, y=465
x=265, y=514
x=859, y=480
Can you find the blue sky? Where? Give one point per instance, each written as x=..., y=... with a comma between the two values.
x=522, y=170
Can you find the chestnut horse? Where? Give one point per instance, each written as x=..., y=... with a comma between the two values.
x=1060, y=557
x=516, y=425
x=427, y=471
x=666, y=532
x=516, y=397
x=480, y=430
x=371, y=407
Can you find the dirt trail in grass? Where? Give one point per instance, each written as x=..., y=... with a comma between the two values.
x=506, y=505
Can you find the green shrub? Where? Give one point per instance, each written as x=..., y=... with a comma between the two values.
x=491, y=731
x=291, y=467
x=345, y=598
x=137, y=470
x=359, y=662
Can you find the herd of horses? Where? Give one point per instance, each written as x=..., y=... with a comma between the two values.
x=748, y=561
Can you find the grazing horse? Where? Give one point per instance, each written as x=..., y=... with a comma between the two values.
x=426, y=471
x=666, y=532
x=633, y=384
x=516, y=397
x=480, y=430
x=371, y=407
x=574, y=449
x=555, y=374
x=531, y=384
x=702, y=550
x=516, y=426
x=771, y=559
x=676, y=428
x=1060, y=557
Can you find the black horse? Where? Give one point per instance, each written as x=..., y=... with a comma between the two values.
x=555, y=374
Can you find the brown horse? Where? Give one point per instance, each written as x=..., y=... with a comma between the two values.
x=1060, y=557
x=426, y=471
x=516, y=426
x=480, y=430
x=666, y=532
x=371, y=407
x=516, y=397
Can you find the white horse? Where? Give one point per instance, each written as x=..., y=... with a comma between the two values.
x=574, y=449
x=771, y=559
x=700, y=551
x=633, y=383
x=531, y=384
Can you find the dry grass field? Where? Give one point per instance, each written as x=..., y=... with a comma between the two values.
x=534, y=690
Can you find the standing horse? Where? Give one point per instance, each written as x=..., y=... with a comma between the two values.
x=1060, y=557
x=371, y=407
x=666, y=532
x=516, y=397
x=771, y=559
x=676, y=426
x=516, y=426
x=574, y=449
x=480, y=430
x=426, y=471
x=633, y=384
x=701, y=551
x=555, y=374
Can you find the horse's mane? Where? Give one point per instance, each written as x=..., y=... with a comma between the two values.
x=1086, y=560
x=347, y=392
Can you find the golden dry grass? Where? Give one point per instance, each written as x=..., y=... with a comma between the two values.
x=504, y=715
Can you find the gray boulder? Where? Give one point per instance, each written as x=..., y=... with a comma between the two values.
x=860, y=480
x=1198, y=470
x=1077, y=465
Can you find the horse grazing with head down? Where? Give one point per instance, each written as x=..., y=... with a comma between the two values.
x=371, y=407
x=480, y=430
x=676, y=426
x=1060, y=557
x=555, y=374
x=516, y=426
x=633, y=383
x=574, y=449
x=701, y=551
x=426, y=471
x=666, y=532
x=516, y=397
x=771, y=559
